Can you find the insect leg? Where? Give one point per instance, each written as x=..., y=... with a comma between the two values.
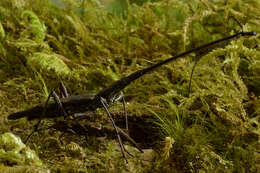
x=60, y=106
x=121, y=97
x=129, y=139
x=38, y=123
x=63, y=111
x=35, y=129
x=53, y=94
x=103, y=102
x=63, y=90
x=193, y=69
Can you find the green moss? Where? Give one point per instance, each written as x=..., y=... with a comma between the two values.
x=89, y=45
x=13, y=151
x=37, y=28
x=47, y=62
x=2, y=32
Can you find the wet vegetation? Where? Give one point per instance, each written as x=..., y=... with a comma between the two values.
x=90, y=44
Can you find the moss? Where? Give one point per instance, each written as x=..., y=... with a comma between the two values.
x=37, y=28
x=14, y=152
x=2, y=32
x=89, y=44
x=46, y=62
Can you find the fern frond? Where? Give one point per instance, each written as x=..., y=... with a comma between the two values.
x=48, y=62
x=37, y=28
x=2, y=32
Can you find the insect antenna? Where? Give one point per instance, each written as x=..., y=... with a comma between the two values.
x=219, y=44
x=241, y=26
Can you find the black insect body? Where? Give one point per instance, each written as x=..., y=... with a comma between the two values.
x=90, y=102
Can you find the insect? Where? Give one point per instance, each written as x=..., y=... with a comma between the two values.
x=90, y=102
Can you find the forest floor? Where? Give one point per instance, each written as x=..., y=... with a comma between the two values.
x=91, y=44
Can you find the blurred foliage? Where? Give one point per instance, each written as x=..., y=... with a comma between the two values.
x=89, y=44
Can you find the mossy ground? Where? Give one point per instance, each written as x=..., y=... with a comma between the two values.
x=90, y=44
